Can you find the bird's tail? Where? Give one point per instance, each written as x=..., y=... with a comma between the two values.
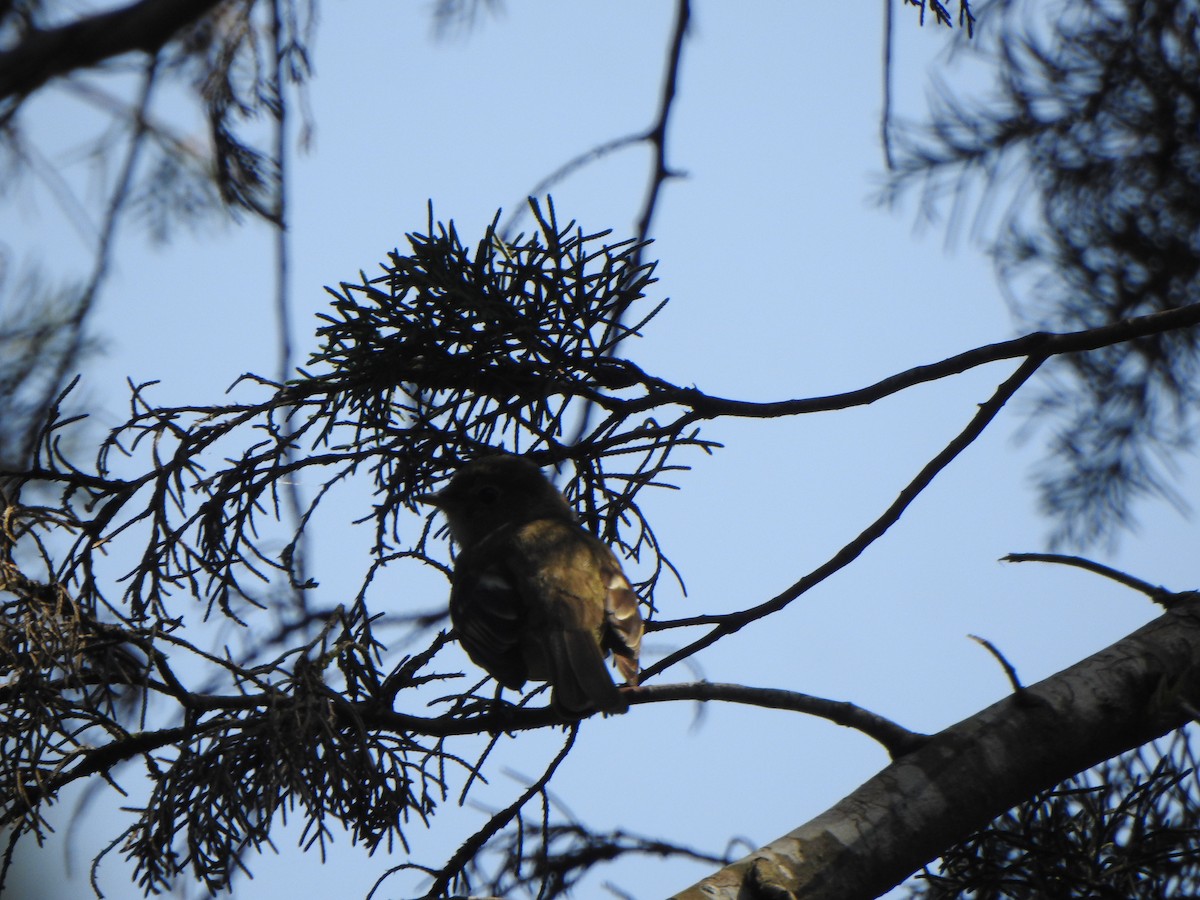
x=581, y=680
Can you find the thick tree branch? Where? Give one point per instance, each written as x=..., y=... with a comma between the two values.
x=498, y=718
x=1132, y=692
x=45, y=54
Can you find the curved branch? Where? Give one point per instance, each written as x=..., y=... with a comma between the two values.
x=1010, y=671
x=567, y=169
x=496, y=718
x=1041, y=344
x=1156, y=592
x=729, y=623
x=896, y=739
x=657, y=136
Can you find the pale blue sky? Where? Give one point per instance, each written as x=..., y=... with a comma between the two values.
x=785, y=281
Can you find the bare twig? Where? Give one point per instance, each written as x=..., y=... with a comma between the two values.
x=885, y=115
x=1038, y=343
x=730, y=623
x=1009, y=670
x=1159, y=594
x=896, y=739
x=454, y=867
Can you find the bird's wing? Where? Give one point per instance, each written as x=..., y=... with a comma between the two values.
x=563, y=577
x=486, y=610
x=622, y=632
x=546, y=600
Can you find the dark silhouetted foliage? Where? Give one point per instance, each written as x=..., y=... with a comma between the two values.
x=1096, y=128
x=1127, y=830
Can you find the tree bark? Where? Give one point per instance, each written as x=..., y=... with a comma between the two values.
x=1140, y=688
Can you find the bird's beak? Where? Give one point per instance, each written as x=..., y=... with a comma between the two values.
x=434, y=499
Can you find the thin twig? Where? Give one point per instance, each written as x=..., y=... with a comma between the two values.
x=298, y=556
x=885, y=116
x=471, y=847
x=1157, y=593
x=731, y=622
x=1009, y=669
x=657, y=136
x=107, y=238
x=1042, y=344
x=896, y=739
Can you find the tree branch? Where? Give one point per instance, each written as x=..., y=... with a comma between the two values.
x=93, y=762
x=896, y=739
x=457, y=863
x=1132, y=692
x=1156, y=592
x=657, y=135
x=45, y=54
x=1038, y=343
x=729, y=623
x=1010, y=671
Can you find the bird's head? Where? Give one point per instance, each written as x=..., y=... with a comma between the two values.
x=494, y=491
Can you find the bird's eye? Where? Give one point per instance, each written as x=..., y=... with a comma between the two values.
x=488, y=494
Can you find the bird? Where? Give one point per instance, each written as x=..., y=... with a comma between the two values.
x=534, y=596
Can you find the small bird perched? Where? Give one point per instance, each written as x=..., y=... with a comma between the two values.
x=534, y=595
